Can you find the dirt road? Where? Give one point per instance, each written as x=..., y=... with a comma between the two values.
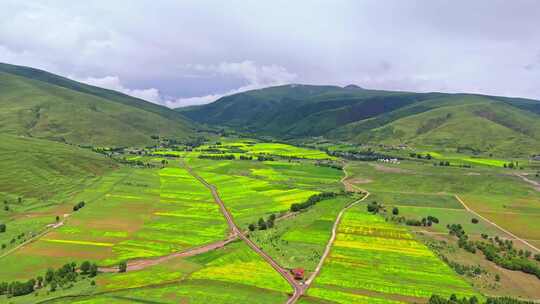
x=140, y=264
x=349, y=187
x=331, y=241
x=497, y=226
x=536, y=185
x=297, y=287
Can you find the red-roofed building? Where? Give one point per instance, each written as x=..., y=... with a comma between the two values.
x=298, y=273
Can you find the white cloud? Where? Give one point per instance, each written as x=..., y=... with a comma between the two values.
x=114, y=83
x=254, y=76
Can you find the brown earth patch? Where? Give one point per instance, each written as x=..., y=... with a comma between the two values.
x=358, y=180
x=58, y=250
x=386, y=169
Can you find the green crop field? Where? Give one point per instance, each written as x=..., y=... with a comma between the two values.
x=417, y=199
x=253, y=189
x=373, y=261
x=131, y=213
x=300, y=241
x=227, y=275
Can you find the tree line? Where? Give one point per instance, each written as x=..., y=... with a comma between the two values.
x=453, y=299
x=501, y=252
x=63, y=277
x=312, y=200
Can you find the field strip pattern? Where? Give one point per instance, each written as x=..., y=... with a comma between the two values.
x=235, y=230
x=373, y=261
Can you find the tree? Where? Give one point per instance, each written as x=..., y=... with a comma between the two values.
x=6, y=208
x=53, y=286
x=49, y=275
x=57, y=218
x=2, y=228
x=262, y=224
x=85, y=267
x=497, y=277
x=395, y=211
x=474, y=220
x=93, y=270
x=251, y=227
x=122, y=267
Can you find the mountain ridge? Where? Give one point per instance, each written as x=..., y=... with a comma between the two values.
x=40, y=104
x=377, y=116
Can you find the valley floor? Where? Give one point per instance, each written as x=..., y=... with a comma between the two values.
x=195, y=229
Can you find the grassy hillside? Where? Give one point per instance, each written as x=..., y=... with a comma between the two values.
x=39, y=104
x=480, y=123
x=38, y=181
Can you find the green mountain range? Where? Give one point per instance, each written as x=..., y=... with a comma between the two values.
x=509, y=126
x=39, y=104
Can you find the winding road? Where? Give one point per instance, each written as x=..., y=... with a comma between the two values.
x=235, y=232
x=297, y=287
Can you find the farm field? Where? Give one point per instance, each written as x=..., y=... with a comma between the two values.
x=227, y=275
x=373, y=261
x=254, y=148
x=253, y=189
x=492, y=192
x=468, y=159
x=134, y=213
x=131, y=213
x=300, y=241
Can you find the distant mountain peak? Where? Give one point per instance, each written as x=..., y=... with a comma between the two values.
x=353, y=87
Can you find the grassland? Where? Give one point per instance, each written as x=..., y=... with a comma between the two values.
x=39, y=104
x=373, y=261
x=492, y=192
x=38, y=182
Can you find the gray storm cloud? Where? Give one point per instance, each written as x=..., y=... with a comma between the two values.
x=191, y=52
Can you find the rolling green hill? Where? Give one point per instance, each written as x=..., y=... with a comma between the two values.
x=40, y=104
x=509, y=126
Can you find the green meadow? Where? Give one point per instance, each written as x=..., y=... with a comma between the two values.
x=38, y=181
x=492, y=192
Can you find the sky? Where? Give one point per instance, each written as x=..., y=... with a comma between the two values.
x=179, y=53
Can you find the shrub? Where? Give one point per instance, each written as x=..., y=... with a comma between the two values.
x=122, y=267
